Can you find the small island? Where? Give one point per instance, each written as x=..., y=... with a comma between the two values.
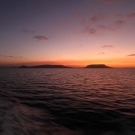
x=97, y=66
x=45, y=66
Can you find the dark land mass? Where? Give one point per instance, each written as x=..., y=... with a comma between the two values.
x=45, y=66
x=97, y=66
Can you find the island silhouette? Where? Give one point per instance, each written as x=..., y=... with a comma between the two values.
x=62, y=66
x=45, y=66
x=97, y=66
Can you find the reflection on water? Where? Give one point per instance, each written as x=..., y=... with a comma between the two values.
x=67, y=101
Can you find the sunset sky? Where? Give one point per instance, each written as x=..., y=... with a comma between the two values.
x=69, y=32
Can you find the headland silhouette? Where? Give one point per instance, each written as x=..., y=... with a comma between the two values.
x=45, y=66
x=97, y=66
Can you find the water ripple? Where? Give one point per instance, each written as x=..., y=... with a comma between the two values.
x=67, y=101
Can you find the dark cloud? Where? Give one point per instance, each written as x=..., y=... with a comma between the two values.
x=115, y=26
x=10, y=56
x=97, y=18
x=107, y=46
x=89, y=30
x=100, y=28
x=79, y=45
x=39, y=37
x=119, y=23
x=17, y=56
x=131, y=15
x=131, y=55
x=27, y=31
x=104, y=27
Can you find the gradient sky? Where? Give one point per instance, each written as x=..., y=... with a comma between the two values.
x=68, y=32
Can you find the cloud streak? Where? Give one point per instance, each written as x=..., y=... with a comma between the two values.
x=105, y=27
x=107, y=46
x=89, y=30
x=97, y=18
x=131, y=15
x=131, y=55
x=115, y=26
x=101, y=53
x=119, y=23
x=94, y=30
x=10, y=56
x=39, y=37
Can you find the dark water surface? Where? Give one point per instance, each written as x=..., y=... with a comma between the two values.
x=67, y=101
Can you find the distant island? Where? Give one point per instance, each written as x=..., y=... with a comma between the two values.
x=62, y=66
x=97, y=66
x=45, y=66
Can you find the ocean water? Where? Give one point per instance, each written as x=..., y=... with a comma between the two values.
x=67, y=101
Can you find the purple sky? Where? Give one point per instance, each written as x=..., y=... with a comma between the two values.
x=69, y=32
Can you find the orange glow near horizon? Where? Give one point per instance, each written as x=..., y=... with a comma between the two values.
x=116, y=62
